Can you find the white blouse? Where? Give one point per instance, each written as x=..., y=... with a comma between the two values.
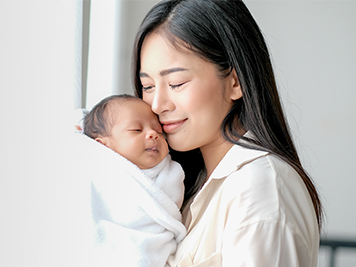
x=254, y=210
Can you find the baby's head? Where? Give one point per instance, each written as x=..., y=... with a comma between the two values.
x=128, y=126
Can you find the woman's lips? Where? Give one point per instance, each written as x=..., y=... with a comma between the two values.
x=169, y=127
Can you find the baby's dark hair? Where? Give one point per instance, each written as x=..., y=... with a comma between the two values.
x=99, y=121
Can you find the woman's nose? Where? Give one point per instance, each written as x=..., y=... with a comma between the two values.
x=152, y=134
x=160, y=101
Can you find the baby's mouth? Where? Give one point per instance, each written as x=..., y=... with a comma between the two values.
x=153, y=149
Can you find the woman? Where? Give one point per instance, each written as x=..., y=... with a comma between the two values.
x=204, y=68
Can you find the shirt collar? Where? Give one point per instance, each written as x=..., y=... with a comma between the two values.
x=236, y=157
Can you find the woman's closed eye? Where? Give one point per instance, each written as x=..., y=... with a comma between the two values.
x=176, y=86
x=147, y=88
x=172, y=86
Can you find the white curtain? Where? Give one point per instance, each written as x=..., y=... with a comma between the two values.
x=40, y=80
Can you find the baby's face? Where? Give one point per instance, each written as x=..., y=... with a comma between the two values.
x=137, y=135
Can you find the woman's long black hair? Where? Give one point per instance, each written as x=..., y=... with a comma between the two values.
x=224, y=33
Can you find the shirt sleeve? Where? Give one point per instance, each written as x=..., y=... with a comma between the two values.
x=264, y=243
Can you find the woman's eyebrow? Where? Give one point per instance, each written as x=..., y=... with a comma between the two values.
x=163, y=72
x=168, y=71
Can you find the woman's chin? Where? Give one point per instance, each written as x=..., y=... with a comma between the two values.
x=179, y=145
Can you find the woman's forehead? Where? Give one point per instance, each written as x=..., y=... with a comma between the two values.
x=159, y=56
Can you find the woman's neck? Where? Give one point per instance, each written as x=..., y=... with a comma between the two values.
x=213, y=154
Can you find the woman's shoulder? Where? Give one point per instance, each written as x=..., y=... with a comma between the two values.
x=265, y=173
x=268, y=189
x=257, y=181
x=249, y=166
x=256, y=161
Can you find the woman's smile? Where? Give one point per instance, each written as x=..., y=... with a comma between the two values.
x=170, y=127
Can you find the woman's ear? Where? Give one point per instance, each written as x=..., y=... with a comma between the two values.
x=236, y=91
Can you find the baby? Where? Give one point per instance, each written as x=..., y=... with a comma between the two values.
x=127, y=125
x=150, y=226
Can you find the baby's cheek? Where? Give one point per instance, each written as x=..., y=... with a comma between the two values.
x=164, y=148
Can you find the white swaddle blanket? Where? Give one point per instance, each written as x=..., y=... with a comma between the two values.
x=136, y=218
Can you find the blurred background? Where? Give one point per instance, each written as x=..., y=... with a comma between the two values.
x=57, y=56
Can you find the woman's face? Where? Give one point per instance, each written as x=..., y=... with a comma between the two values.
x=187, y=94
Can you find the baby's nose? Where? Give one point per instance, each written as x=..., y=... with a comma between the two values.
x=152, y=134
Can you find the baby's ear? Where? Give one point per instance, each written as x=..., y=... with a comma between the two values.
x=102, y=140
